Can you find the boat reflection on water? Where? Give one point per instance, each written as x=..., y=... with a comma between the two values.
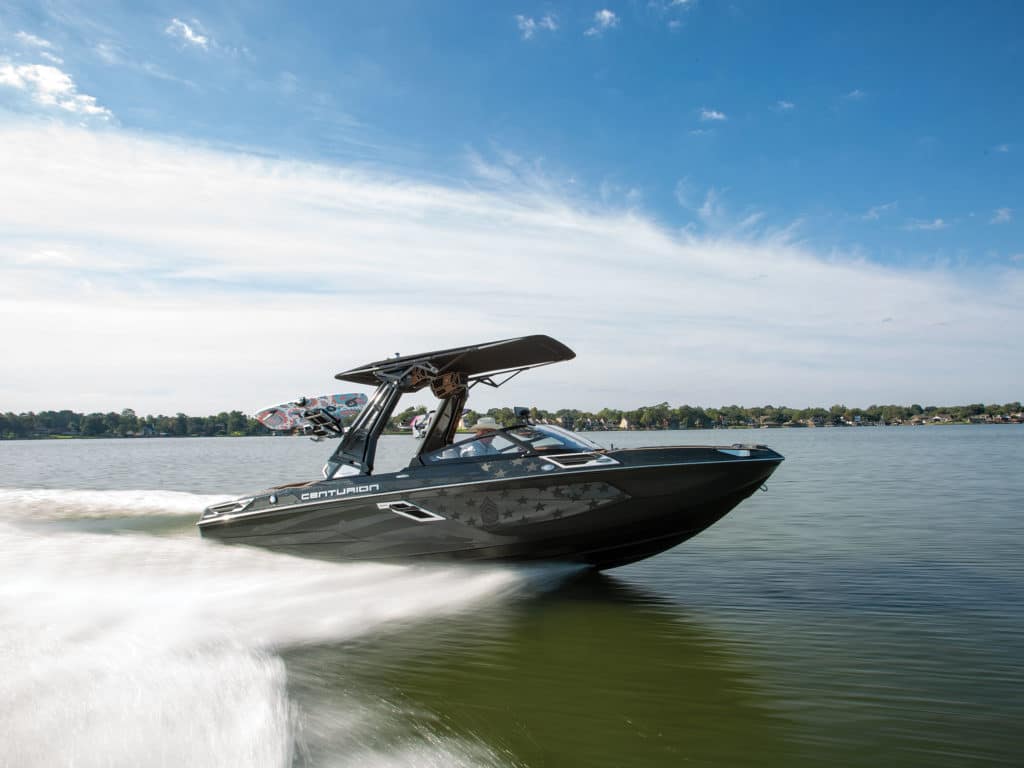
x=582, y=675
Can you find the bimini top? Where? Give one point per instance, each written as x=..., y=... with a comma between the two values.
x=478, y=360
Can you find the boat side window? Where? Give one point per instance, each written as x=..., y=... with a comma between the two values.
x=488, y=444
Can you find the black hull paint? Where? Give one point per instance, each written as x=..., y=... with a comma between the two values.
x=499, y=510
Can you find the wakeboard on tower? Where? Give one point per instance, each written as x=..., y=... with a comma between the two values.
x=318, y=416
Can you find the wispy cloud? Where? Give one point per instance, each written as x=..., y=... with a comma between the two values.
x=784, y=106
x=684, y=192
x=614, y=193
x=207, y=231
x=855, y=95
x=875, y=212
x=1001, y=148
x=49, y=86
x=701, y=132
x=1001, y=216
x=187, y=33
x=603, y=21
x=51, y=58
x=109, y=53
x=711, y=114
x=750, y=221
x=714, y=216
x=925, y=225
x=29, y=39
x=115, y=56
x=712, y=209
x=673, y=9
x=528, y=26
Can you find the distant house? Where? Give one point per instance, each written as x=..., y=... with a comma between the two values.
x=624, y=424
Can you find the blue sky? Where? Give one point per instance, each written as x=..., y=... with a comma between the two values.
x=801, y=143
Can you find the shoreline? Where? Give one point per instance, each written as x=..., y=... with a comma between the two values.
x=399, y=433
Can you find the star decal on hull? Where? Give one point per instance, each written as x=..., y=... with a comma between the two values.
x=494, y=508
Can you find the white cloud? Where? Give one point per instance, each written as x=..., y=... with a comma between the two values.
x=164, y=277
x=528, y=26
x=603, y=21
x=184, y=32
x=711, y=114
x=875, y=212
x=51, y=58
x=50, y=87
x=855, y=95
x=784, y=106
x=32, y=40
x=702, y=132
x=1001, y=216
x=924, y=224
x=1001, y=148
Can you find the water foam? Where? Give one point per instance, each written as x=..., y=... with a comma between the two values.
x=135, y=649
x=59, y=504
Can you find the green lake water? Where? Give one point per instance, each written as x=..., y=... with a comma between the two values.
x=867, y=610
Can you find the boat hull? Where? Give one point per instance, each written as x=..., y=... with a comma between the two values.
x=648, y=501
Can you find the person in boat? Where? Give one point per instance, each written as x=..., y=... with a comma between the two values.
x=482, y=444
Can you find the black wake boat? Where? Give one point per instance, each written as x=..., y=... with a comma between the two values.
x=525, y=492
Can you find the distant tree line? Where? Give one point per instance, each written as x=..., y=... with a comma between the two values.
x=125, y=424
x=664, y=416
x=661, y=416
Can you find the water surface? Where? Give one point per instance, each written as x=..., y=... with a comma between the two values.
x=866, y=610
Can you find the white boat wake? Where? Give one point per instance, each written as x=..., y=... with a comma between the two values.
x=144, y=650
x=66, y=504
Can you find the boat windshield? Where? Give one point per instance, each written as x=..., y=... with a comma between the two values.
x=513, y=441
x=546, y=437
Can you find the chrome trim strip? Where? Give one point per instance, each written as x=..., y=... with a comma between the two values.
x=223, y=518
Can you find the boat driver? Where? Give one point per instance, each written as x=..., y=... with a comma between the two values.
x=482, y=444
